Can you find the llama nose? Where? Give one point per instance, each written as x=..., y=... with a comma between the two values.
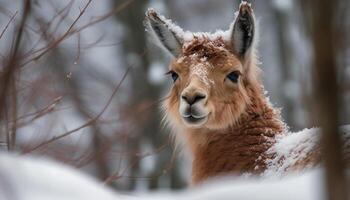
x=194, y=98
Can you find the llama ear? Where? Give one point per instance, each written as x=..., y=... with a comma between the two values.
x=243, y=30
x=168, y=34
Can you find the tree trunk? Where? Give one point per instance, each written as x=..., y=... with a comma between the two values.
x=327, y=98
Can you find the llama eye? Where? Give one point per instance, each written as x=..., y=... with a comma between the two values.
x=233, y=76
x=173, y=75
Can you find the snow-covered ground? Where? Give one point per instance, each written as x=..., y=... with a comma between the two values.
x=29, y=178
x=33, y=178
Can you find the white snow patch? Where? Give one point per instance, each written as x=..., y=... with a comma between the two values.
x=38, y=179
x=293, y=147
x=200, y=70
x=290, y=148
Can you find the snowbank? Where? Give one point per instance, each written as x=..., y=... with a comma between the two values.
x=291, y=148
x=38, y=179
x=28, y=178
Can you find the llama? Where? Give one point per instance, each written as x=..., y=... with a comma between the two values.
x=218, y=104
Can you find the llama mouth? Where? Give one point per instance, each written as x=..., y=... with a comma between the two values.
x=193, y=116
x=195, y=120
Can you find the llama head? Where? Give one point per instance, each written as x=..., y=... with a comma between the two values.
x=213, y=73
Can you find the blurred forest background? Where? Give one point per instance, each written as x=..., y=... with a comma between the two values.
x=87, y=84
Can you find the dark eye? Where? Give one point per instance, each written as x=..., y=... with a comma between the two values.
x=173, y=75
x=233, y=76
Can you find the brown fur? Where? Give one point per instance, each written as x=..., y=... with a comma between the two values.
x=228, y=123
x=241, y=124
x=237, y=149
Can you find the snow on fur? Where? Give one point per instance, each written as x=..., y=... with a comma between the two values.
x=293, y=147
x=201, y=70
x=290, y=148
x=188, y=36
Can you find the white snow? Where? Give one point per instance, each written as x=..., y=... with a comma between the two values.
x=307, y=186
x=31, y=178
x=293, y=147
x=201, y=71
x=38, y=179
x=290, y=148
x=35, y=179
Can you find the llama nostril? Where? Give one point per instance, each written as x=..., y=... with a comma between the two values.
x=198, y=97
x=193, y=99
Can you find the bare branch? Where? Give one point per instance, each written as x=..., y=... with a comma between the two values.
x=60, y=39
x=89, y=122
x=7, y=25
x=9, y=70
x=71, y=31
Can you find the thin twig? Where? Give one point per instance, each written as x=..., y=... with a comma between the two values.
x=70, y=31
x=89, y=122
x=10, y=68
x=60, y=39
x=117, y=174
x=116, y=10
x=7, y=25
